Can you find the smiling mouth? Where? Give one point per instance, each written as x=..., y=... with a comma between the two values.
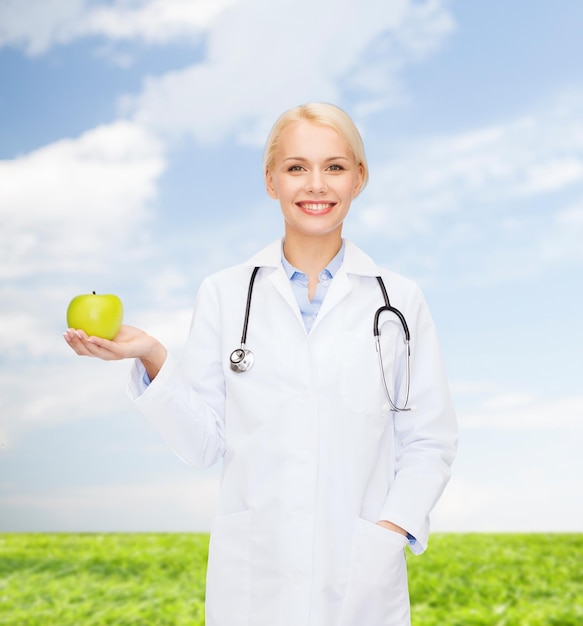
x=316, y=207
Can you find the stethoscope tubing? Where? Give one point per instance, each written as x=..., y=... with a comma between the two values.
x=241, y=359
x=377, y=336
x=248, y=305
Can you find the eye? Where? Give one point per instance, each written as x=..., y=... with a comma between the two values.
x=295, y=168
x=335, y=167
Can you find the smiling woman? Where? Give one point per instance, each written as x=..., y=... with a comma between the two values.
x=321, y=490
x=314, y=191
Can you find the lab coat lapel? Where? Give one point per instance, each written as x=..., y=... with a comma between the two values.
x=270, y=259
x=355, y=262
x=281, y=282
x=339, y=288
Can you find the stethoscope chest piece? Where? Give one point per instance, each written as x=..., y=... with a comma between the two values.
x=241, y=360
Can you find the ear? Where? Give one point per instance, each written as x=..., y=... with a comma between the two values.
x=359, y=180
x=269, y=185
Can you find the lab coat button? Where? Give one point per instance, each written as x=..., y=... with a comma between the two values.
x=385, y=408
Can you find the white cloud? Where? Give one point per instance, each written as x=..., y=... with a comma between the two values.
x=39, y=24
x=74, y=198
x=571, y=217
x=471, y=387
x=184, y=502
x=168, y=326
x=555, y=173
x=24, y=332
x=563, y=240
x=495, y=167
x=42, y=24
x=420, y=29
x=509, y=400
x=154, y=21
x=518, y=465
x=529, y=502
x=263, y=58
x=72, y=389
x=483, y=207
x=518, y=411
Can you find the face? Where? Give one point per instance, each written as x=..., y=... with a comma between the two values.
x=315, y=177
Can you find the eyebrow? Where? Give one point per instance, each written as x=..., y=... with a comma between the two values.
x=335, y=158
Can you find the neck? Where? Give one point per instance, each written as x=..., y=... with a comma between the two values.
x=311, y=254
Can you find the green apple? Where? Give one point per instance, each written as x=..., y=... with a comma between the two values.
x=97, y=315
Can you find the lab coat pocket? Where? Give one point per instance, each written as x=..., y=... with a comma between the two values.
x=377, y=591
x=228, y=573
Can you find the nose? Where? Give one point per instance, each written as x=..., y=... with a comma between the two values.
x=316, y=183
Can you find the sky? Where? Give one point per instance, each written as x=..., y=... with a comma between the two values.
x=131, y=136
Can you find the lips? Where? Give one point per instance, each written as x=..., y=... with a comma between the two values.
x=316, y=208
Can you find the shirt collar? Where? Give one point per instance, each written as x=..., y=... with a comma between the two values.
x=355, y=260
x=331, y=268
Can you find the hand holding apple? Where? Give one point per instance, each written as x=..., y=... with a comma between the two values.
x=96, y=330
x=97, y=315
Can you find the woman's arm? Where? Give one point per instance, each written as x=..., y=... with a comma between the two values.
x=426, y=437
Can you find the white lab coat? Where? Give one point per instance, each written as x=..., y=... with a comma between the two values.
x=312, y=454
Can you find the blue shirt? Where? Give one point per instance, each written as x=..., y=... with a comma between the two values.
x=299, y=283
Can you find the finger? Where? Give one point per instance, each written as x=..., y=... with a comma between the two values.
x=76, y=344
x=79, y=342
x=121, y=347
x=100, y=342
x=101, y=352
x=106, y=349
x=68, y=335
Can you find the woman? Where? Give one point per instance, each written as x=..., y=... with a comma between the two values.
x=325, y=479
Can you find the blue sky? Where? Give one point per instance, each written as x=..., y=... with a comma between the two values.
x=131, y=139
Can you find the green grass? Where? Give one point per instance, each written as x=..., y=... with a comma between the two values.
x=97, y=580
x=498, y=580
x=158, y=580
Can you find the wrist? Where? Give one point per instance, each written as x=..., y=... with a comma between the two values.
x=390, y=526
x=154, y=357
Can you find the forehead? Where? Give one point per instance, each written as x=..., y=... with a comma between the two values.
x=307, y=139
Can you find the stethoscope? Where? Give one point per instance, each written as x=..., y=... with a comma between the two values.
x=242, y=359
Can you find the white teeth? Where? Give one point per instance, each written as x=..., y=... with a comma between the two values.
x=316, y=207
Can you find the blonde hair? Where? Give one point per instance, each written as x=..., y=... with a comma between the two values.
x=323, y=114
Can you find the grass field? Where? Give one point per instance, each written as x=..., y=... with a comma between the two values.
x=158, y=580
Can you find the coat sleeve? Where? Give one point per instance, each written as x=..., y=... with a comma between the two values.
x=426, y=437
x=186, y=400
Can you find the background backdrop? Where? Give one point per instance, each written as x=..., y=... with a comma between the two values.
x=131, y=136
